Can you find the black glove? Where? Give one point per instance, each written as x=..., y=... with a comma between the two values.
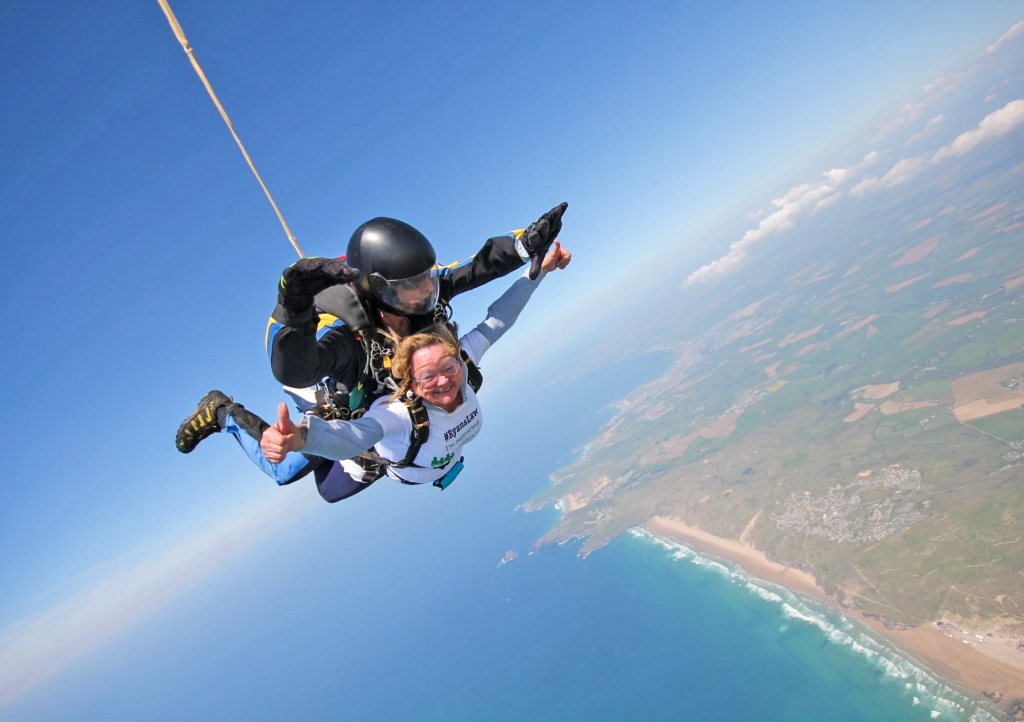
x=309, y=276
x=538, y=237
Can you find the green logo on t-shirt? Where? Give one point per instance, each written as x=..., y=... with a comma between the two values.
x=443, y=461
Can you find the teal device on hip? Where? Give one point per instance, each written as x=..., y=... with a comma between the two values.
x=448, y=478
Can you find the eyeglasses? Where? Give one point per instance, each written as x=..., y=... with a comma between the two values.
x=447, y=367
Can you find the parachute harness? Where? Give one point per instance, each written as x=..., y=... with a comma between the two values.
x=378, y=361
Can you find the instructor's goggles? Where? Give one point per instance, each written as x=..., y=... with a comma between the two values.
x=410, y=296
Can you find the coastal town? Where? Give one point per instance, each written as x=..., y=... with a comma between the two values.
x=851, y=513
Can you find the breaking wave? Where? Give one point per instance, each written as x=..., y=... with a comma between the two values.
x=921, y=686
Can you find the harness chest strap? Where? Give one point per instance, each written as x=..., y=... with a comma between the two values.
x=420, y=429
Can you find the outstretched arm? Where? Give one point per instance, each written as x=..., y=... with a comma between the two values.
x=506, y=309
x=498, y=257
x=328, y=439
x=503, y=254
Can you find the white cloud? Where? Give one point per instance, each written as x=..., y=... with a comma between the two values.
x=802, y=199
x=945, y=84
x=993, y=125
x=1006, y=37
x=827, y=201
x=938, y=88
x=928, y=129
x=811, y=197
x=869, y=159
x=903, y=171
x=912, y=109
x=908, y=113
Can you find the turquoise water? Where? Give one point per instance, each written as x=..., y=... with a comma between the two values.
x=646, y=629
x=393, y=606
x=641, y=629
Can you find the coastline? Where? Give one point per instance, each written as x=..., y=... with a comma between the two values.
x=971, y=668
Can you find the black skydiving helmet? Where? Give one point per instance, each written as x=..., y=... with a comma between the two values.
x=396, y=266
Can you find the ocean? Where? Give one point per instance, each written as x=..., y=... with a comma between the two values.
x=642, y=629
x=647, y=629
x=394, y=606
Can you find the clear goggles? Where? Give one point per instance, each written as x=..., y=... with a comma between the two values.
x=410, y=296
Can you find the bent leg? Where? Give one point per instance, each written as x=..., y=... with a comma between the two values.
x=247, y=428
x=335, y=483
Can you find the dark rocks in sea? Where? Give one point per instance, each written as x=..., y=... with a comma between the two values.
x=1017, y=712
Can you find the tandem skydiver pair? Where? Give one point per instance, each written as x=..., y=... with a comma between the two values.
x=334, y=342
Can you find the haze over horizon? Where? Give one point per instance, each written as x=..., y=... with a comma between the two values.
x=687, y=140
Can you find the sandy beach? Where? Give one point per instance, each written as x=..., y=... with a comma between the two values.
x=993, y=669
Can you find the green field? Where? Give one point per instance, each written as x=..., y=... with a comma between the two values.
x=950, y=543
x=1008, y=426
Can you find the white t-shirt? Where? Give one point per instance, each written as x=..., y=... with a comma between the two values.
x=449, y=432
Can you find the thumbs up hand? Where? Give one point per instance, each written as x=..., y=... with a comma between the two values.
x=283, y=436
x=557, y=257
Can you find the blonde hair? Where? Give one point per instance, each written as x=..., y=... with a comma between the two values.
x=401, y=362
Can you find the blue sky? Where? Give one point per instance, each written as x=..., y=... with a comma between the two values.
x=142, y=256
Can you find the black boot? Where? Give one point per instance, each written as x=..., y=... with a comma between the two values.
x=202, y=422
x=246, y=420
x=254, y=426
